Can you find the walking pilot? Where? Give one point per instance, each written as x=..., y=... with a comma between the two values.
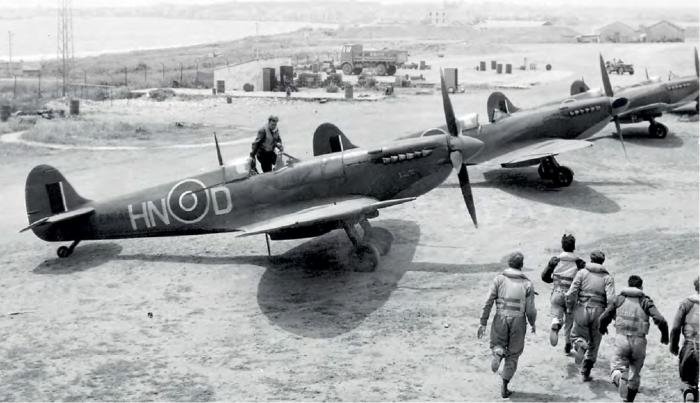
x=267, y=140
x=591, y=291
x=686, y=322
x=631, y=310
x=515, y=301
x=561, y=271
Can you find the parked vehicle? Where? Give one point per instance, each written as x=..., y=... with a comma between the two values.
x=353, y=59
x=617, y=66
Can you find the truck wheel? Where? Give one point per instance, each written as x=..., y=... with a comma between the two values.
x=391, y=70
x=347, y=68
x=381, y=69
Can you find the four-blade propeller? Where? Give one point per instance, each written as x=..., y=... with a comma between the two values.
x=616, y=104
x=461, y=148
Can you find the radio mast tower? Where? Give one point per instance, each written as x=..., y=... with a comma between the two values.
x=64, y=49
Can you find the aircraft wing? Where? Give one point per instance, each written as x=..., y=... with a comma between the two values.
x=323, y=211
x=67, y=215
x=534, y=152
x=655, y=108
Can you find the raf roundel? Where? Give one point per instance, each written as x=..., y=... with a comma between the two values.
x=188, y=201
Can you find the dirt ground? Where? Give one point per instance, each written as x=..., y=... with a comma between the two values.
x=229, y=323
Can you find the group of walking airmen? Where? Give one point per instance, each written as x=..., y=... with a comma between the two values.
x=583, y=304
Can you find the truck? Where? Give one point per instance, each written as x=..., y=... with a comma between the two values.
x=385, y=62
x=619, y=67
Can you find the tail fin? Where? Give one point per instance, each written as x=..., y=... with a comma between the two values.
x=48, y=193
x=498, y=102
x=329, y=139
x=578, y=87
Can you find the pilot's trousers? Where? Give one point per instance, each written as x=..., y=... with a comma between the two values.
x=688, y=363
x=630, y=352
x=508, y=341
x=585, y=330
x=558, y=312
x=267, y=160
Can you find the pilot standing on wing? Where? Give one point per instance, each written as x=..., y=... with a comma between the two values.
x=267, y=140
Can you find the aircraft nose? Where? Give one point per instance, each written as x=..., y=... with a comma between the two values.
x=618, y=105
x=468, y=146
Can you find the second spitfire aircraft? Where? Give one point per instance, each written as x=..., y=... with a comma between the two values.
x=648, y=100
x=525, y=137
x=341, y=187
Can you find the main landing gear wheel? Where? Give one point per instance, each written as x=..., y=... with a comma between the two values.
x=563, y=177
x=364, y=257
x=367, y=249
x=65, y=251
x=658, y=130
x=381, y=238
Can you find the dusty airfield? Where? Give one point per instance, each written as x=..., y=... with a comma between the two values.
x=229, y=323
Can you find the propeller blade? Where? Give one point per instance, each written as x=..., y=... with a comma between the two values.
x=606, y=78
x=218, y=151
x=647, y=73
x=456, y=158
x=467, y=193
x=447, y=106
x=697, y=63
x=619, y=135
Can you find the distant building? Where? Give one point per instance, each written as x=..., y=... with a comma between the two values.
x=663, y=31
x=588, y=38
x=618, y=32
x=31, y=69
x=499, y=24
x=437, y=17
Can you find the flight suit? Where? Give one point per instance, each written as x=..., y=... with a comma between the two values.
x=686, y=322
x=514, y=296
x=631, y=310
x=588, y=296
x=561, y=276
x=264, y=147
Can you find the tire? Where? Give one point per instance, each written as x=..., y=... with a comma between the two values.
x=347, y=68
x=381, y=238
x=63, y=252
x=563, y=177
x=364, y=258
x=391, y=70
x=631, y=72
x=658, y=130
x=381, y=69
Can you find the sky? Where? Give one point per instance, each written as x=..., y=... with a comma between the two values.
x=551, y=3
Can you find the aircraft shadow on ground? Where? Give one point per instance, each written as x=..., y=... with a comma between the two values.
x=312, y=291
x=528, y=185
x=640, y=136
x=84, y=257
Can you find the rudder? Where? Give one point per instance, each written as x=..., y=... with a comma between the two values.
x=329, y=139
x=47, y=192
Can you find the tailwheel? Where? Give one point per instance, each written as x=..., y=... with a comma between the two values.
x=65, y=251
x=658, y=130
x=364, y=257
x=563, y=177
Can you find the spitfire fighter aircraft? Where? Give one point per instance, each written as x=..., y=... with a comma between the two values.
x=525, y=137
x=340, y=187
x=648, y=100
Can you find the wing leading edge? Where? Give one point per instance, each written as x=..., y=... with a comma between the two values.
x=326, y=210
x=535, y=152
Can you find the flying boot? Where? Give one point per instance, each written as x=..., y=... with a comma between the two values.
x=693, y=390
x=631, y=394
x=586, y=370
x=505, y=392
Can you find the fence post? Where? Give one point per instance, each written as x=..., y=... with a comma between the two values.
x=39, y=94
x=145, y=75
x=14, y=88
x=126, y=81
x=180, y=74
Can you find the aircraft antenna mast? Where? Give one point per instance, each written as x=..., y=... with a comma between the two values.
x=64, y=43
